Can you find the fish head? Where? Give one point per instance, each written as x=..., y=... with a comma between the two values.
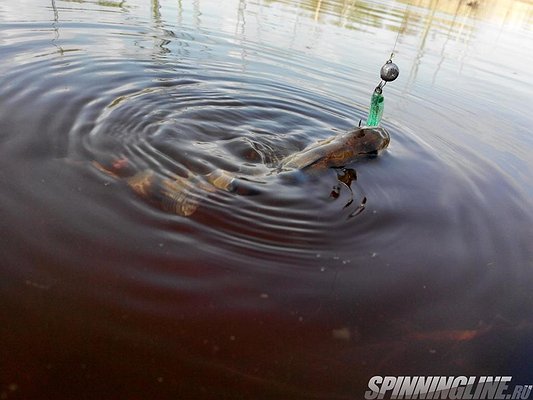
x=370, y=140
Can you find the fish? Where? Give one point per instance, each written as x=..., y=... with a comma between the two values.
x=339, y=150
x=181, y=195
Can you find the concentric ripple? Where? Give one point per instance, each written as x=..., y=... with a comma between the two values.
x=186, y=123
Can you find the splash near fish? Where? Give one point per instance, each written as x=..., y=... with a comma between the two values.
x=181, y=194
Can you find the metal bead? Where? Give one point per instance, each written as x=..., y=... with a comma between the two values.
x=389, y=71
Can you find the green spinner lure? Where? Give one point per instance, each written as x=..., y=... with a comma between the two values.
x=389, y=72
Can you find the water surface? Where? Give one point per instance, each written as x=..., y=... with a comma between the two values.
x=288, y=293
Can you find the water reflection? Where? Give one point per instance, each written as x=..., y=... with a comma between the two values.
x=55, y=27
x=355, y=14
x=104, y=3
x=506, y=12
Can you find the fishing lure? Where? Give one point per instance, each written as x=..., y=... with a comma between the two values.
x=389, y=72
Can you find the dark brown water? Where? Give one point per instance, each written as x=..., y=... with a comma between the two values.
x=286, y=294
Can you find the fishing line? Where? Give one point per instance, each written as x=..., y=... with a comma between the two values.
x=389, y=72
x=400, y=30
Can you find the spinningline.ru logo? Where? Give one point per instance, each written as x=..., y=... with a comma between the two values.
x=445, y=387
